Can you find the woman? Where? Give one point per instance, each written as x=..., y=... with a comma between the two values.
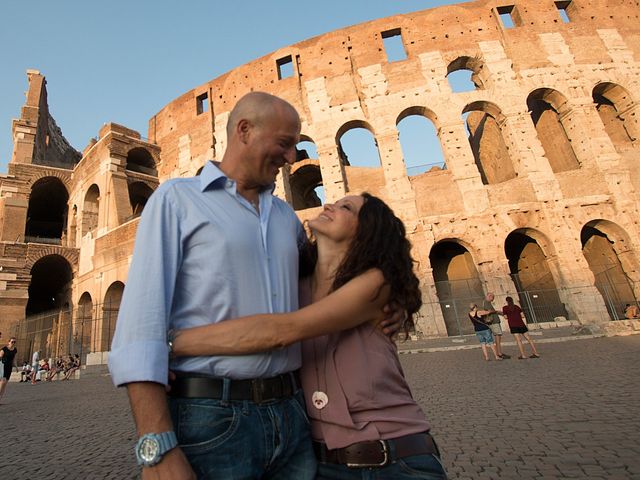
x=7, y=356
x=361, y=409
x=515, y=318
x=483, y=332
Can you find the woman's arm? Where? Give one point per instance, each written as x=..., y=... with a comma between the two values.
x=358, y=301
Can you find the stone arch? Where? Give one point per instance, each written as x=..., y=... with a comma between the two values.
x=484, y=125
x=419, y=139
x=607, y=248
x=306, y=149
x=366, y=135
x=110, y=309
x=615, y=104
x=47, y=211
x=140, y=160
x=548, y=109
x=457, y=283
x=90, y=209
x=472, y=68
x=139, y=193
x=305, y=179
x=83, y=325
x=532, y=274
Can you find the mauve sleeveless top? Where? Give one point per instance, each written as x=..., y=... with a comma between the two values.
x=368, y=396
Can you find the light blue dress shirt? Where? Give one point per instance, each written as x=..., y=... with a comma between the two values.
x=204, y=255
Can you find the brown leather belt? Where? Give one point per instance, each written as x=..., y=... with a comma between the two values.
x=377, y=453
x=257, y=390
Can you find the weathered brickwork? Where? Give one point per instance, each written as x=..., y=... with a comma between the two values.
x=538, y=193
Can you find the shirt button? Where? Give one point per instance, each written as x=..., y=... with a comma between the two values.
x=275, y=294
x=229, y=183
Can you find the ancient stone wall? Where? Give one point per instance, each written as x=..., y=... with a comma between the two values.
x=537, y=197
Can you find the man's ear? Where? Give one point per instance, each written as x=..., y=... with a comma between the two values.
x=243, y=129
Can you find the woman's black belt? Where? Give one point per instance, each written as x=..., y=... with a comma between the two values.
x=377, y=453
x=257, y=390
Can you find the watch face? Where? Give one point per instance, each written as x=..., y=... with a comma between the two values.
x=149, y=449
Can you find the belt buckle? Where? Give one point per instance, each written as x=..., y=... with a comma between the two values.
x=257, y=390
x=385, y=452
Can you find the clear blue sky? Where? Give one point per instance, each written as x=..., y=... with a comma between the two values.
x=123, y=60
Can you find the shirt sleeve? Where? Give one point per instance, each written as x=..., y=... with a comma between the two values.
x=139, y=352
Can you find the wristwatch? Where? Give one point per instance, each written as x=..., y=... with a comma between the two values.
x=152, y=446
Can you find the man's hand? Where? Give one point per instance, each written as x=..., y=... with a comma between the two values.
x=173, y=466
x=394, y=320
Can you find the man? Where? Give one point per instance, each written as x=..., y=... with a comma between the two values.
x=491, y=318
x=210, y=248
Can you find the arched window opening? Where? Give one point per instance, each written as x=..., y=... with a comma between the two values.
x=533, y=279
x=306, y=149
x=139, y=193
x=611, y=279
x=90, y=209
x=83, y=326
x=304, y=180
x=614, y=104
x=357, y=146
x=47, y=312
x=545, y=106
x=483, y=121
x=457, y=284
x=47, y=212
x=110, y=309
x=420, y=144
x=140, y=160
x=464, y=74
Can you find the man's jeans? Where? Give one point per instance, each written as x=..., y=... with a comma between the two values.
x=237, y=440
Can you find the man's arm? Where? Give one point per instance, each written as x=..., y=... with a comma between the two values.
x=149, y=407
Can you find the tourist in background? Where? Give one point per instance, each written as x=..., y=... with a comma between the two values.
x=491, y=317
x=7, y=357
x=483, y=333
x=518, y=328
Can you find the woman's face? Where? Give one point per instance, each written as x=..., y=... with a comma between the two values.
x=338, y=221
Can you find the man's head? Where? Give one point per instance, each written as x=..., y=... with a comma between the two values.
x=490, y=296
x=262, y=131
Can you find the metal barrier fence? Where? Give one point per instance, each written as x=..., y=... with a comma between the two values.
x=82, y=330
x=89, y=328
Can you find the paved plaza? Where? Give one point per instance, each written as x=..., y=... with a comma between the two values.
x=571, y=414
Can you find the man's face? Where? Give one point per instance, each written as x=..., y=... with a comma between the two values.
x=272, y=144
x=490, y=297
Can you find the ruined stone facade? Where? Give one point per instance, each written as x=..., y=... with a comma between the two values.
x=537, y=197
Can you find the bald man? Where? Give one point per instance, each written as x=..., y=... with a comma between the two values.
x=211, y=248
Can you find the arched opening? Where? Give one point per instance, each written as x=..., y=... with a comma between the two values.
x=110, y=309
x=83, y=326
x=547, y=108
x=357, y=146
x=614, y=104
x=483, y=121
x=532, y=277
x=605, y=247
x=305, y=180
x=90, y=209
x=139, y=193
x=464, y=74
x=140, y=160
x=306, y=149
x=48, y=308
x=457, y=284
x=421, y=147
x=47, y=212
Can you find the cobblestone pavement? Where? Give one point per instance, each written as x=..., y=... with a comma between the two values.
x=571, y=414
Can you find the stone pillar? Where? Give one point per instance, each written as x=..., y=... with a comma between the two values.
x=333, y=178
x=460, y=161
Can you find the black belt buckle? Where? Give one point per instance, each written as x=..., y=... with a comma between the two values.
x=385, y=458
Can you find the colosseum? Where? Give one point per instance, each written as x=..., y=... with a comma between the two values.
x=536, y=195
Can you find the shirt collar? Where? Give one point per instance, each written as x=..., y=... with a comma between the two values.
x=211, y=175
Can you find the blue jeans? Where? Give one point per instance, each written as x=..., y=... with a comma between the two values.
x=427, y=467
x=242, y=440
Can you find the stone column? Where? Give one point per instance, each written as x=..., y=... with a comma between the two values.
x=333, y=177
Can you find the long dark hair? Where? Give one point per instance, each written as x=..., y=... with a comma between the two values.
x=380, y=242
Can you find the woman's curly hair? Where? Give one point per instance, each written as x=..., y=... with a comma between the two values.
x=381, y=242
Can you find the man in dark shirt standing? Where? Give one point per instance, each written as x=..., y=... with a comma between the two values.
x=493, y=320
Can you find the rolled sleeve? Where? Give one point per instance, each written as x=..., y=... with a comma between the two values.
x=139, y=352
